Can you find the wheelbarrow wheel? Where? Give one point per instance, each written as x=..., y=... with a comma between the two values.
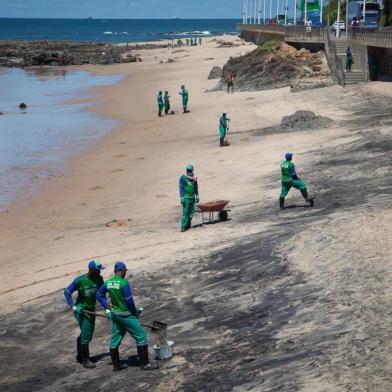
x=223, y=215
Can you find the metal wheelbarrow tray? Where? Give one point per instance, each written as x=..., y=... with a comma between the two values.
x=218, y=206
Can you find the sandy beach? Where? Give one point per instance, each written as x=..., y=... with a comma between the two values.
x=297, y=300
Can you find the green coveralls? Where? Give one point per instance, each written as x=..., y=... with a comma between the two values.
x=86, y=300
x=188, y=201
x=287, y=180
x=185, y=97
x=167, y=103
x=160, y=104
x=122, y=319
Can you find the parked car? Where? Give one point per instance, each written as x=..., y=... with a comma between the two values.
x=334, y=25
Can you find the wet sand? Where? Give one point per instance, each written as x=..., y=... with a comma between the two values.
x=297, y=300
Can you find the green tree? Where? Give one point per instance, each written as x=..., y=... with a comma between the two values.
x=386, y=19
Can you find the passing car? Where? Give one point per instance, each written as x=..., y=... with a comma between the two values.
x=334, y=25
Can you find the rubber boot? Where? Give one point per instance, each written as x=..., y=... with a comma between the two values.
x=221, y=142
x=85, y=357
x=117, y=365
x=306, y=197
x=78, y=349
x=281, y=203
x=143, y=358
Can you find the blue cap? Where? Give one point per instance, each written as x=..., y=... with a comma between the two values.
x=119, y=266
x=189, y=169
x=95, y=265
x=288, y=155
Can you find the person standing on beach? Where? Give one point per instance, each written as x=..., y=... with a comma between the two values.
x=189, y=194
x=223, y=128
x=166, y=99
x=185, y=98
x=289, y=179
x=187, y=41
x=160, y=103
x=86, y=285
x=124, y=316
x=200, y=41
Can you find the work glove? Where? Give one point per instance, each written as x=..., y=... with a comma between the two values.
x=139, y=311
x=197, y=199
x=77, y=309
x=109, y=314
x=182, y=200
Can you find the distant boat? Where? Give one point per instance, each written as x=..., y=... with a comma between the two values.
x=175, y=18
x=90, y=17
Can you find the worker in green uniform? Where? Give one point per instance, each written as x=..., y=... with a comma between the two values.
x=86, y=285
x=166, y=99
x=189, y=194
x=200, y=41
x=124, y=316
x=223, y=128
x=187, y=41
x=160, y=103
x=289, y=179
x=185, y=97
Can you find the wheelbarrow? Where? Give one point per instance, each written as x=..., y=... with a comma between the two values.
x=208, y=210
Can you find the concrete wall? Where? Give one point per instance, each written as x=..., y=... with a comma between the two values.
x=259, y=36
x=380, y=63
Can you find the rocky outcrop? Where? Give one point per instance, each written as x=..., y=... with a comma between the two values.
x=304, y=119
x=61, y=53
x=273, y=65
x=215, y=73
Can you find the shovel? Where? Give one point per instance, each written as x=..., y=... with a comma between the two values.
x=157, y=326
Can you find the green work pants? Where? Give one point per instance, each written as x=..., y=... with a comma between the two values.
x=188, y=210
x=184, y=103
x=286, y=185
x=87, y=325
x=222, y=131
x=130, y=324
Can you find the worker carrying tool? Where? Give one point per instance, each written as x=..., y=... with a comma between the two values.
x=86, y=285
x=124, y=316
x=166, y=99
x=160, y=103
x=223, y=129
x=289, y=179
x=189, y=194
x=185, y=97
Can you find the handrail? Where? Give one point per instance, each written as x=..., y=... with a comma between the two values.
x=335, y=62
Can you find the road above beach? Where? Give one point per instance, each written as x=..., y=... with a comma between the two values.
x=287, y=301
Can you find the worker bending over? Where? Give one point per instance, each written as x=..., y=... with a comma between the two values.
x=289, y=179
x=223, y=128
x=189, y=194
x=86, y=285
x=124, y=316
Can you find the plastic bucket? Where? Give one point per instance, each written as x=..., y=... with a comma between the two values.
x=164, y=352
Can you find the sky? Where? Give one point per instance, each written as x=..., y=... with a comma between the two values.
x=123, y=9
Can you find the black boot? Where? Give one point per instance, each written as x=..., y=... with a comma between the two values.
x=143, y=358
x=221, y=142
x=281, y=203
x=117, y=365
x=85, y=357
x=306, y=197
x=78, y=349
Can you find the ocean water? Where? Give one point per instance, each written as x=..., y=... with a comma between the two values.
x=114, y=30
x=35, y=143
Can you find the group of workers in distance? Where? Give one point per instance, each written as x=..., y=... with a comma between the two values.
x=164, y=101
x=122, y=312
x=188, y=41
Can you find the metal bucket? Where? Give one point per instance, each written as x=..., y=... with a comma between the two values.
x=164, y=352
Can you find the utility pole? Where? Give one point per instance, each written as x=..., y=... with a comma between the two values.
x=321, y=12
x=259, y=13
x=338, y=24
x=346, y=18
x=277, y=10
x=295, y=12
x=306, y=12
x=254, y=11
x=270, y=11
x=286, y=9
x=264, y=10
